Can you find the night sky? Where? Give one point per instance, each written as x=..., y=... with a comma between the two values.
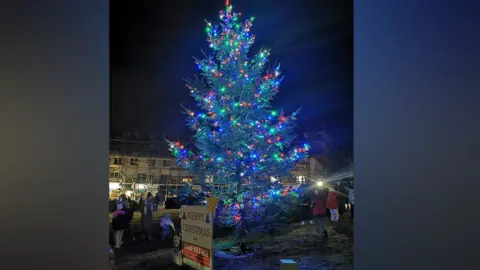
x=152, y=44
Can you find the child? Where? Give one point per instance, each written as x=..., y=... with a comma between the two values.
x=167, y=226
x=119, y=224
x=332, y=205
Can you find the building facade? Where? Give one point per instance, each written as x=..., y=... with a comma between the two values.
x=145, y=164
x=307, y=170
x=145, y=170
x=133, y=174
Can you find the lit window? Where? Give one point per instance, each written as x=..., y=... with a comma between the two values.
x=301, y=179
x=113, y=186
x=118, y=161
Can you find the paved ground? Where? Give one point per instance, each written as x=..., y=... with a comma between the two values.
x=300, y=243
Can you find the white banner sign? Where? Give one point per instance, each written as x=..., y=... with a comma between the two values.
x=197, y=236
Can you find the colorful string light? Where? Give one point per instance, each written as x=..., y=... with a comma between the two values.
x=237, y=133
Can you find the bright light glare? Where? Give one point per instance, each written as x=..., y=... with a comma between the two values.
x=319, y=183
x=113, y=186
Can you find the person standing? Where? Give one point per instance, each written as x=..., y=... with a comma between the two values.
x=350, y=200
x=127, y=207
x=332, y=205
x=123, y=200
x=305, y=205
x=119, y=224
x=156, y=202
x=342, y=196
x=319, y=212
x=147, y=217
x=161, y=199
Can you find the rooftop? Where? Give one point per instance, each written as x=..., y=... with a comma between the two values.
x=140, y=146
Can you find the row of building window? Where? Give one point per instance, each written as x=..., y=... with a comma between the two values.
x=142, y=176
x=150, y=162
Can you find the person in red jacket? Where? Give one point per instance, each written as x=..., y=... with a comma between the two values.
x=319, y=211
x=332, y=205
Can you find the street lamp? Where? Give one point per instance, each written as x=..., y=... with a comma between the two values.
x=319, y=183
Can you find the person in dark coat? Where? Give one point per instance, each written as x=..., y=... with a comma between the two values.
x=305, y=205
x=147, y=217
x=119, y=224
x=141, y=203
x=319, y=211
x=112, y=206
x=156, y=202
x=128, y=208
x=323, y=193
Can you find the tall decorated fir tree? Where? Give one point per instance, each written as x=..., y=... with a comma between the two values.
x=239, y=140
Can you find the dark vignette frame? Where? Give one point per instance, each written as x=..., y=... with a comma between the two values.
x=54, y=115
x=416, y=123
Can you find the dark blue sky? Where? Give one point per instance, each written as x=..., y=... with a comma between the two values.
x=152, y=44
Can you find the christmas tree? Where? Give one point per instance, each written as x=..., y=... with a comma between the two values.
x=240, y=140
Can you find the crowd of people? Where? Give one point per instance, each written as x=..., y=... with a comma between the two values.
x=123, y=215
x=158, y=199
x=320, y=202
x=316, y=203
